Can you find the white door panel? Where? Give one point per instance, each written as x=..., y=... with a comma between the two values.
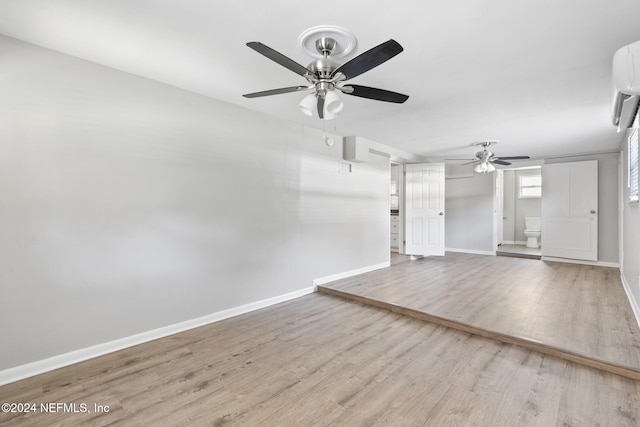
x=424, y=209
x=569, y=210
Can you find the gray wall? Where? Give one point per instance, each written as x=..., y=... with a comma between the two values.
x=128, y=205
x=469, y=213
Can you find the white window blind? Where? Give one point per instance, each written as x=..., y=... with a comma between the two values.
x=633, y=165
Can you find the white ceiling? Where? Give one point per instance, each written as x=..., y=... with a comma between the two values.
x=535, y=75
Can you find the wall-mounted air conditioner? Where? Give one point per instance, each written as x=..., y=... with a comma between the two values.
x=626, y=83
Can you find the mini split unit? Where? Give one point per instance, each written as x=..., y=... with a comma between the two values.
x=626, y=83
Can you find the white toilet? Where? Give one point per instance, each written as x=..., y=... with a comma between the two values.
x=532, y=230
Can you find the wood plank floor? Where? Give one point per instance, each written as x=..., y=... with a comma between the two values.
x=575, y=308
x=325, y=361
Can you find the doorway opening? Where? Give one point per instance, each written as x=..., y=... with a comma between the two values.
x=519, y=212
x=396, y=202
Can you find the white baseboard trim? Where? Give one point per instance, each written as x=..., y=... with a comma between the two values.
x=635, y=307
x=470, y=251
x=580, y=261
x=344, y=275
x=41, y=366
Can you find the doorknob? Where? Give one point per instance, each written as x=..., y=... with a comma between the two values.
x=441, y=214
x=593, y=211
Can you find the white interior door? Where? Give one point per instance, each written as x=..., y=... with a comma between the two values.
x=424, y=198
x=570, y=210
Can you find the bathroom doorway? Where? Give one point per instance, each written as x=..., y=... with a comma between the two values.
x=519, y=212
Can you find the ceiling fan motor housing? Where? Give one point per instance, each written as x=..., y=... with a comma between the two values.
x=323, y=67
x=484, y=155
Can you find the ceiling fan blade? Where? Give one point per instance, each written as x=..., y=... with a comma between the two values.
x=500, y=162
x=460, y=160
x=472, y=161
x=369, y=59
x=276, y=91
x=513, y=158
x=321, y=107
x=279, y=58
x=374, y=93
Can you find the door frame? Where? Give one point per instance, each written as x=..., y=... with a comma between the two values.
x=498, y=219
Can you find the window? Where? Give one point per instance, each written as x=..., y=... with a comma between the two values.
x=530, y=186
x=632, y=142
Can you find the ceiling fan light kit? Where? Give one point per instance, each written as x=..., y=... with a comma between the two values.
x=325, y=75
x=484, y=167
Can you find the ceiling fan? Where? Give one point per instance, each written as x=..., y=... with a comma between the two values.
x=486, y=158
x=326, y=76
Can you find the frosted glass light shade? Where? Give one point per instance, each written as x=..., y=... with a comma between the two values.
x=308, y=104
x=484, y=167
x=480, y=168
x=332, y=103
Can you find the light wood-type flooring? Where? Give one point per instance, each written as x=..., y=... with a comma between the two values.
x=575, y=311
x=325, y=361
x=320, y=360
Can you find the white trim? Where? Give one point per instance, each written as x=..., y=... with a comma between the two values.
x=580, y=261
x=635, y=307
x=332, y=278
x=41, y=366
x=470, y=251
